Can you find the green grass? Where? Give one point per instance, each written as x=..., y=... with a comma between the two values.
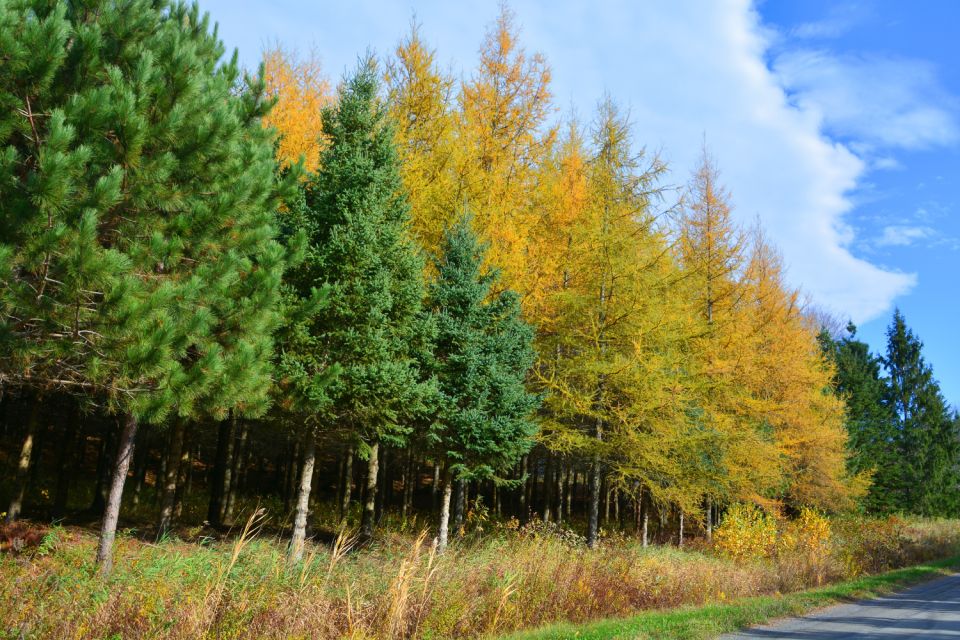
x=712, y=620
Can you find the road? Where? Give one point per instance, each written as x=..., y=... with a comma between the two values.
x=929, y=610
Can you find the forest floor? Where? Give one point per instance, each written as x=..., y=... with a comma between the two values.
x=491, y=582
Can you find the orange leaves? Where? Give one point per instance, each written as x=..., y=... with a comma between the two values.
x=301, y=91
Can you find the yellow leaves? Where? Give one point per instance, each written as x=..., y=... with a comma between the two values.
x=420, y=103
x=301, y=91
x=502, y=139
x=746, y=533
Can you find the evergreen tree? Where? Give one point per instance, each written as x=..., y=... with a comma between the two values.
x=357, y=219
x=872, y=434
x=138, y=267
x=481, y=356
x=304, y=367
x=927, y=437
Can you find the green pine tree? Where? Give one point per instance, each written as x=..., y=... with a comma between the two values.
x=927, y=436
x=870, y=421
x=357, y=220
x=481, y=357
x=138, y=265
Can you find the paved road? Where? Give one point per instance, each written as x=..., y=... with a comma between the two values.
x=930, y=610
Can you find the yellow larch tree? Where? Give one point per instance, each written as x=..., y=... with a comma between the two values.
x=793, y=379
x=744, y=461
x=502, y=137
x=301, y=91
x=421, y=104
x=609, y=362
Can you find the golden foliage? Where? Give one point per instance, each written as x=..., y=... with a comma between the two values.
x=301, y=91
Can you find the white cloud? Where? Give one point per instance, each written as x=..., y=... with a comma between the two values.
x=685, y=68
x=882, y=101
x=901, y=235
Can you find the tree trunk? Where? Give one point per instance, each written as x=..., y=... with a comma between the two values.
x=216, y=478
x=370, y=498
x=560, y=478
x=65, y=468
x=104, y=465
x=593, y=524
x=646, y=524
x=709, y=520
x=227, y=478
x=435, y=487
x=460, y=506
x=108, y=529
x=347, y=484
x=680, y=538
x=303, y=498
x=525, y=481
x=444, y=535
x=408, y=480
x=140, y=470
x=383, y=482
x=547, y=488
x=184, y=474
x=239, y=451
x=23, y=464
x=172, y=473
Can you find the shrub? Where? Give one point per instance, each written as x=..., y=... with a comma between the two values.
x=746, y=533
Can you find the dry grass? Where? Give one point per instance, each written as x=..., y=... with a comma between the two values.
x=401, y=588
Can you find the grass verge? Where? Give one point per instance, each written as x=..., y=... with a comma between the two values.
x=688, y=623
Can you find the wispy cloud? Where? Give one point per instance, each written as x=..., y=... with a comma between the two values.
x=903, y=235
x=842, y=17
x=875, y=101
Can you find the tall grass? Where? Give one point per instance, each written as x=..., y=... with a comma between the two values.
x=401, y=588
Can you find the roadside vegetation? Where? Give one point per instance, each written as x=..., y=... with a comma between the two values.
x=497, y=581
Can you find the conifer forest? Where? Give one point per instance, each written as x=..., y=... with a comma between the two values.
x=408, y=353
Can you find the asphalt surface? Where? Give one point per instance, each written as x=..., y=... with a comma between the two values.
x=929, y=610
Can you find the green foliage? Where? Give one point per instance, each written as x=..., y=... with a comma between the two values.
x=927, y=442
x=869, y=421
x=481, y=355
x=138, y=264
x=355, y=217
x=900, y=428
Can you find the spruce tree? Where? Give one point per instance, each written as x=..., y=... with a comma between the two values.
x=927, y=436
x=872, y=434
x=481, y=356
x=138, y=266
x=357, y=219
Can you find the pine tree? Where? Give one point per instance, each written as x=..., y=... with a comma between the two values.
x=928, y=441
x=357, y=221
x=481, y=355
x=138, y=263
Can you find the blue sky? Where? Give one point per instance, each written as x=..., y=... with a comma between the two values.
x=837, y=124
